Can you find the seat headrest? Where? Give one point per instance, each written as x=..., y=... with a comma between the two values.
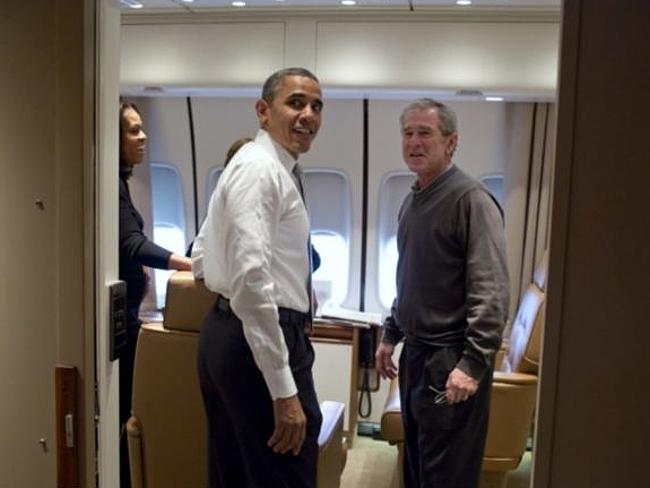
x=187, y=302
x=525, y=333
x=539, y=275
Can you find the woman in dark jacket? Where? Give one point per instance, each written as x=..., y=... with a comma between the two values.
x=136, y=251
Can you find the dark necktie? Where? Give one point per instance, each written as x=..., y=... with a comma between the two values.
x=299, y=180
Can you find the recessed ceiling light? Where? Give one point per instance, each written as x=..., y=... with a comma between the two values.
x=238, y=4
x=188, y=1
x=463, y=2
x=494, y=99
x=348, y=2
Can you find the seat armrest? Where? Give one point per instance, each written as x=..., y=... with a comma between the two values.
x=331, y=449
x=498, y=358
x=522, y=379
x=134, y=441
x=332, y=413
x=392, y=429
x=511, y=414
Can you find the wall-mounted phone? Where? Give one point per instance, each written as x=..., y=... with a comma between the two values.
x=117, y=319
x=368, y=377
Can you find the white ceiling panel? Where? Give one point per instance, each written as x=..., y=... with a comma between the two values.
x=199, y=5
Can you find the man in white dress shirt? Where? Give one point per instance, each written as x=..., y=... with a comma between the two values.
x=254, y=358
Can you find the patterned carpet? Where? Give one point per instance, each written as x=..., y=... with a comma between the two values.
x=373, y=464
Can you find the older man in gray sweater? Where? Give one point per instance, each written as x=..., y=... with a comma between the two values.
x=451, y=305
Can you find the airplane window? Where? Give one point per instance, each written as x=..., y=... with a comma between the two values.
x=168, y=218
x=387, y=270
x=392, y=190
x=496, y=186
x=330, y=281
x=330, y=214
x=170, y=237
x=167, y=194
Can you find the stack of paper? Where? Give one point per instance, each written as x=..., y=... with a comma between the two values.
x=330, y=311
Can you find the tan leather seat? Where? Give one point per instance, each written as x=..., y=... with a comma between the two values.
x=514, y=390
x=166, y=432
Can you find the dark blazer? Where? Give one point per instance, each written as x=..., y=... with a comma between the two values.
x=136, y=250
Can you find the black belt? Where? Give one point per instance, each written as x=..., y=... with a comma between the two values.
x=287, y=315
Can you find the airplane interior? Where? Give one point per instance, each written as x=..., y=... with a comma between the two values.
x=529, y=81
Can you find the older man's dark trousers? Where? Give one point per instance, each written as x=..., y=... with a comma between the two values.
x=239, y=408
x=444, y=444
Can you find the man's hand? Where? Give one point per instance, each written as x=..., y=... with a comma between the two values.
x=148, y=279
x=180, y=263
x=384, y=361
x=314, y=302
x=290, y=426
x=460, y=386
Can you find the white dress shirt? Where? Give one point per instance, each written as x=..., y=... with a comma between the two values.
x=252, y=248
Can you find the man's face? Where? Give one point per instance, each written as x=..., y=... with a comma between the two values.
x=293, y=117
x=425, y=150
x=134, y=139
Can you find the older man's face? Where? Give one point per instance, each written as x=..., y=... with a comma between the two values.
x=293, y=117
x=426, y=151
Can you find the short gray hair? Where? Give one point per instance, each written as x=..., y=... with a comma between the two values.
x=273, y=82
x=448, y=122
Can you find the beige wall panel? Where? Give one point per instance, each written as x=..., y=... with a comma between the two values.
x=331, y=372
x=510, y=57
x=42, y=141
x=593, y=425
x=425, y=55
x=108, y=18
x=218, y=122
x=519, y=118
x=201, y=54
x=300, y=45
x=27, y=247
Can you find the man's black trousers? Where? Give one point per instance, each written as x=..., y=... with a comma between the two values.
x=443, y=443
x=239, y=408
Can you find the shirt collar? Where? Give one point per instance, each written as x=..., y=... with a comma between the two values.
x=265, y=140
x=436, y=181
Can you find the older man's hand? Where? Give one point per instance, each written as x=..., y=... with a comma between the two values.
x=460, y=386
x=384, y=360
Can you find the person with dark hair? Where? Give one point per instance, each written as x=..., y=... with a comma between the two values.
x=234, y=147
x=136, y=251
x=254, y=357
x=451, y=305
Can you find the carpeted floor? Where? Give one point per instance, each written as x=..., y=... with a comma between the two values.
x=373, y=464
x=370, y=464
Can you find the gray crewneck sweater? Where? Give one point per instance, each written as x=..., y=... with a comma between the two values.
x=452, y=279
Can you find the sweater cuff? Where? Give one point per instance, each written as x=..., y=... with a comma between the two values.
x=280, y=382
x=472, y=367
x=391, y=336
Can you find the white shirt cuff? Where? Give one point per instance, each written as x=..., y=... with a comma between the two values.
x=280, y=383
